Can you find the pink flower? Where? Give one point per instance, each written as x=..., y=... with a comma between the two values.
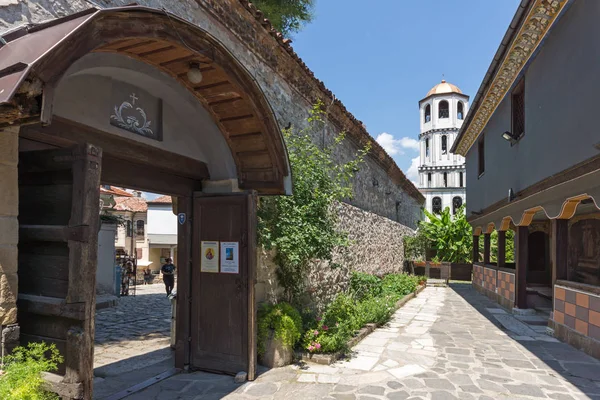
x=315, y=333
x=318, y=345
x=324, y=327
x=310, y=348
x=319, y=318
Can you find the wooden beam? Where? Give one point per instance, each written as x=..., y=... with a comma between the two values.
x=475, y=248
x=53, y=233
x=50, y=306
x=72, y=132
x=521, y=259
x=486, y=248
x=184, y=282
x=501, y=256
x=560, y=249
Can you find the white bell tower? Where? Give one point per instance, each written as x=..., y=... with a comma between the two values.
x=442, y=174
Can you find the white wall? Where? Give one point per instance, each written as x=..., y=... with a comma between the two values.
x=161, y=220
x=106, y=259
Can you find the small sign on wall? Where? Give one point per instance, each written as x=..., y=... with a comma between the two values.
x=230, y=257
x=210, y=256
x=135, y=110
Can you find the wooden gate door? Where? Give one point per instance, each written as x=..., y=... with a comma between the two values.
x=58, y=243
x=223, y=308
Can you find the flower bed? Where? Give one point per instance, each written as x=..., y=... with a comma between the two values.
x=370, y=302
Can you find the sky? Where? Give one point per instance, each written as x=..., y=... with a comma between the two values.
x=381, y=57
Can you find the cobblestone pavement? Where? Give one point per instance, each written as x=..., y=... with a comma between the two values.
x=132, y=337
x=448, y=343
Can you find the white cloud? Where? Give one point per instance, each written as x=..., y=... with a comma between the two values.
x=413, y=171
x=396, y=146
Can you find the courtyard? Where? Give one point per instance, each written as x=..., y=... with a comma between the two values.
x=448, y=343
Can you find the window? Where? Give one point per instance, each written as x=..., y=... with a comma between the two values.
x=444, y=144
x=429, y=179
x=138, y=254
x=444, y=110
x=518, y=110
x=426, y=147
x=139, y=231
x=436, y=205
x=460, y=178
x=456, y=204
x=129, y=228
x=445, y=179
x=481, y=155
x=427, y=113
x=460, y=110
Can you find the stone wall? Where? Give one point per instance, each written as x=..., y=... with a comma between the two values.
x=377, y=248
x=9, y=230
x=290, y=88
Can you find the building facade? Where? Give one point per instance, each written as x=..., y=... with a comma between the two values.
x=442, y=177
x=533, y=166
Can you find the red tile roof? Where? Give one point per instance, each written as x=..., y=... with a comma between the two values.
x=162, y=200
x=134, y=204
x=115, y=191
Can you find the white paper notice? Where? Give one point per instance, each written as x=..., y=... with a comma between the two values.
x=210, y=257
x=230, y=257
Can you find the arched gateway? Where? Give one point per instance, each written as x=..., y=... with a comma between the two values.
x=139, y=98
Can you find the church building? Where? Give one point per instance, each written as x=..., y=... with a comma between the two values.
x=442, y=174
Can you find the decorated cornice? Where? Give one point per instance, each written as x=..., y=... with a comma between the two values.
x=538, y=22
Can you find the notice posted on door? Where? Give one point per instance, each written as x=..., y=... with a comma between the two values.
x=210, y=256
x=230, y=257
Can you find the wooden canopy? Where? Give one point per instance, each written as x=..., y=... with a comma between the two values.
x=37, y=56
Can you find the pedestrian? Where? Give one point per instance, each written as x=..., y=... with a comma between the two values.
x=147, y=276
x=168, y=271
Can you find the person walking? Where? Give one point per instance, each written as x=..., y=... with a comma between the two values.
x=168, y=271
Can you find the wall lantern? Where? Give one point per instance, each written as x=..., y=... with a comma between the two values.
x=511, y=195
x=511, y=137
x=194, y=74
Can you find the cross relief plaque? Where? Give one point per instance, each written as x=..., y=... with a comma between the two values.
x=135, y=110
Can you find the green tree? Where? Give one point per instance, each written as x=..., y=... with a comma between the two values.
x=287, y=16
x=303, y=226
x=451, y=236
x=510, y=246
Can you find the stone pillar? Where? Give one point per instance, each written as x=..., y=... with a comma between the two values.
x=521, y=259
x=560, y=249
x=501, y=256
x=9, y=235
x=486, y=248
x=475, y=248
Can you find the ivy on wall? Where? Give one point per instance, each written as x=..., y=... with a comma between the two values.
x=302, y=227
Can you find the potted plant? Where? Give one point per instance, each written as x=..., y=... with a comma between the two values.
x=279, y=329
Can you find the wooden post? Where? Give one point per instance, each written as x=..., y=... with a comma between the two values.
x=521, y=259
x=184, y=283
x=501, y=256
x=486, y=248
x=475, y=248
x=560, y=249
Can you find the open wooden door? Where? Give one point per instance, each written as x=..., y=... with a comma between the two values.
x=223, y=308
x=58, y=243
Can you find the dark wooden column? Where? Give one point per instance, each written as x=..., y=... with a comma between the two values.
x=486, y=248
x=475, y=248
x=560, y=248
x=184, y=282
x=521, y=258
x=501, y=256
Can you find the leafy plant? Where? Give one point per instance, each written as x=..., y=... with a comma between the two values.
x=303, y=226
x=509, y=247
x=400, y=284
x=451, y=236
x=22, y=378
x=364, y=285
x=287, y=16
x=283, y=320
x=108, y=218
x=415, y=247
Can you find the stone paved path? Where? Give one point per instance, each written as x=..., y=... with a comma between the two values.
x=134, y=336
x=446, y=344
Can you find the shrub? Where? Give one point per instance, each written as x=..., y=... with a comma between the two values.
x=400, y=284
x=285, y=322
x=365, y=285
x=22, y=378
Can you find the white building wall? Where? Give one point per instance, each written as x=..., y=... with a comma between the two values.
x=161, y=220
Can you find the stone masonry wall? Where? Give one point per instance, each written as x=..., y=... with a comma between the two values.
x=380, y=187
x=377, y=248
x=9, y=228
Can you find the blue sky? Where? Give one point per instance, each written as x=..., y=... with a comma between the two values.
x=381, y=57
